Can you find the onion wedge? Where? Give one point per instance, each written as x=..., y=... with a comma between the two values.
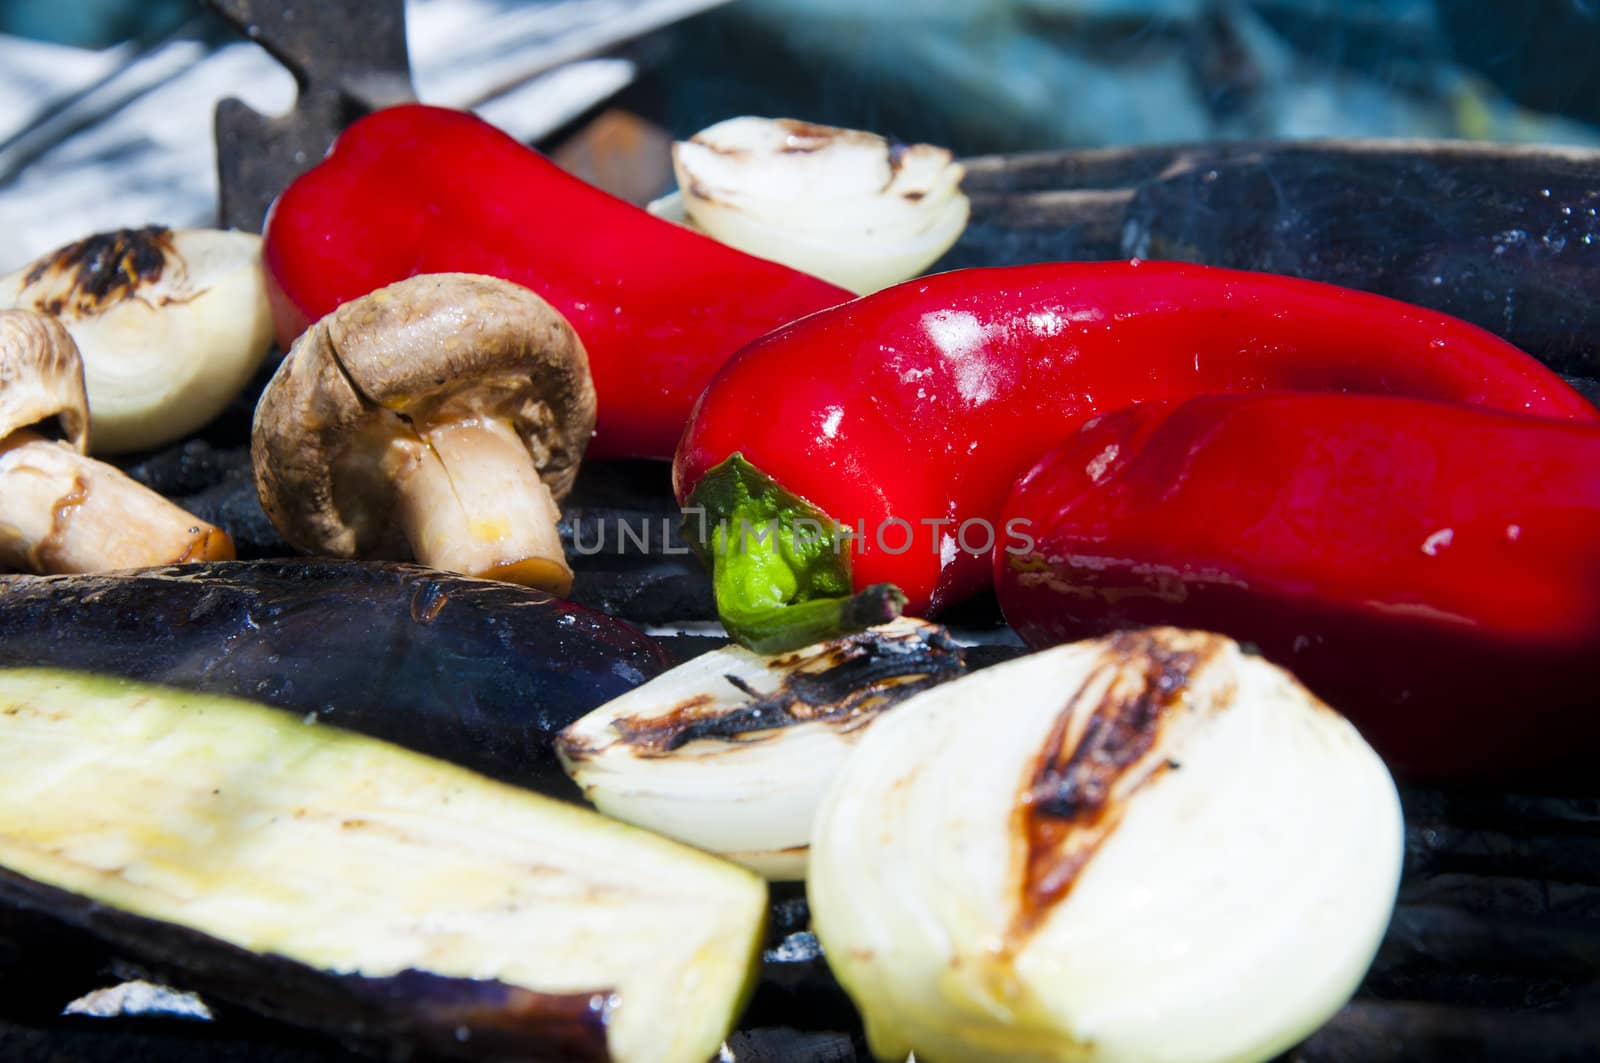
x=847, y=206
x=171, y=325
x=1148, y=847
x=733, y=751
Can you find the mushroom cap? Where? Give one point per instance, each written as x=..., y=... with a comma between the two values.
x=41, y=376
x=423, y=351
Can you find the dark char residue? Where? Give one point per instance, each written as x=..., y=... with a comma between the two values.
x=866, y=675
x=105, y=268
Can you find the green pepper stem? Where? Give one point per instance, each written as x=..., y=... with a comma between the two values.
x=779, y=566
x=779, y=629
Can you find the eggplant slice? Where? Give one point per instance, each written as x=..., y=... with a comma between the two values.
x=478, y=672
x=347, y=885
x=1152, y=846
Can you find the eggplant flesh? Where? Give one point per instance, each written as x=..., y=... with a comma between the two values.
x=346, y=885
x=478, y=672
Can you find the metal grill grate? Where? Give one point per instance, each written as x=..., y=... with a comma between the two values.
x=1494, y=950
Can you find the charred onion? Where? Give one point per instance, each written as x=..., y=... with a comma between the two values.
x=171, y=325
x=733, y=751
x=850, y=207
x=1151, y=847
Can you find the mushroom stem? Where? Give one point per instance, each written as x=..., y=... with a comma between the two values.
x=473, y=502
x=66, y=512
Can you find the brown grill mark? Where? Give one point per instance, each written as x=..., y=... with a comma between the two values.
x=724, y=150
x=1073, y=799
x=897, y=158
x=199, y=544
x=863, y=675
x=700, y=191
x=657, y=733
x=897, y=152
x=810, y=137
x=47, y=554
x=102, y=270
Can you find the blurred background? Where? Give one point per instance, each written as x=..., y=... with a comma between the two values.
x=105, y=105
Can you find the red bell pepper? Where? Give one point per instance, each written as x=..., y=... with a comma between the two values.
x=416, y=189
x=906, y=415
x=1432, y=571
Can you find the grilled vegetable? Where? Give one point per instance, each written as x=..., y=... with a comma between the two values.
x=336, y=882
x=61, y=510
x=439, y=418
x=733, y=751
x=905, y=416
x=844, y=205
x=1149, y=847
x=477, y=672
x=1431, y=570
x=172, y=325
x=415, y=189
x=1506, y=236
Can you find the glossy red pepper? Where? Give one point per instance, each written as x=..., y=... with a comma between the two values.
x=416, y=189
x=924, y=402
x=1432, y=571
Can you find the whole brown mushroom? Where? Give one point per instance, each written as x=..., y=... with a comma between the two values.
x=61, y=511
x=440, y=418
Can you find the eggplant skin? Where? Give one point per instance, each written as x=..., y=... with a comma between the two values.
x=1508, y=239
x=346, y=885
x=398, y=1015
x=481, y=673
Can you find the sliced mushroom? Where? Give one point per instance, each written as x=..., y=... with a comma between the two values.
x=848, y=206
x=440, y=418
x=170, y=325
x=61, y=511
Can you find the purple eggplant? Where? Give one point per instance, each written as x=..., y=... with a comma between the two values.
x=412, y=1009
x=480, y=673
x=349, y=886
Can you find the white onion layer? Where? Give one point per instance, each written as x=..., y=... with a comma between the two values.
x=1245, y=879
x=749, y=796
x=165, y=353
x=848, y=206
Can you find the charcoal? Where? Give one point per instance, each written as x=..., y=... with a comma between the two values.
x=783, y=1045
x=1436, y=847
x=1372, y=1032
x=189, y=468
x=1439, y=937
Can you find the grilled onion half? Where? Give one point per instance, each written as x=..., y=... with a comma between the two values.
x=733, y=751
x=848, y=206
x=171, y=324
x=1150, y=847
